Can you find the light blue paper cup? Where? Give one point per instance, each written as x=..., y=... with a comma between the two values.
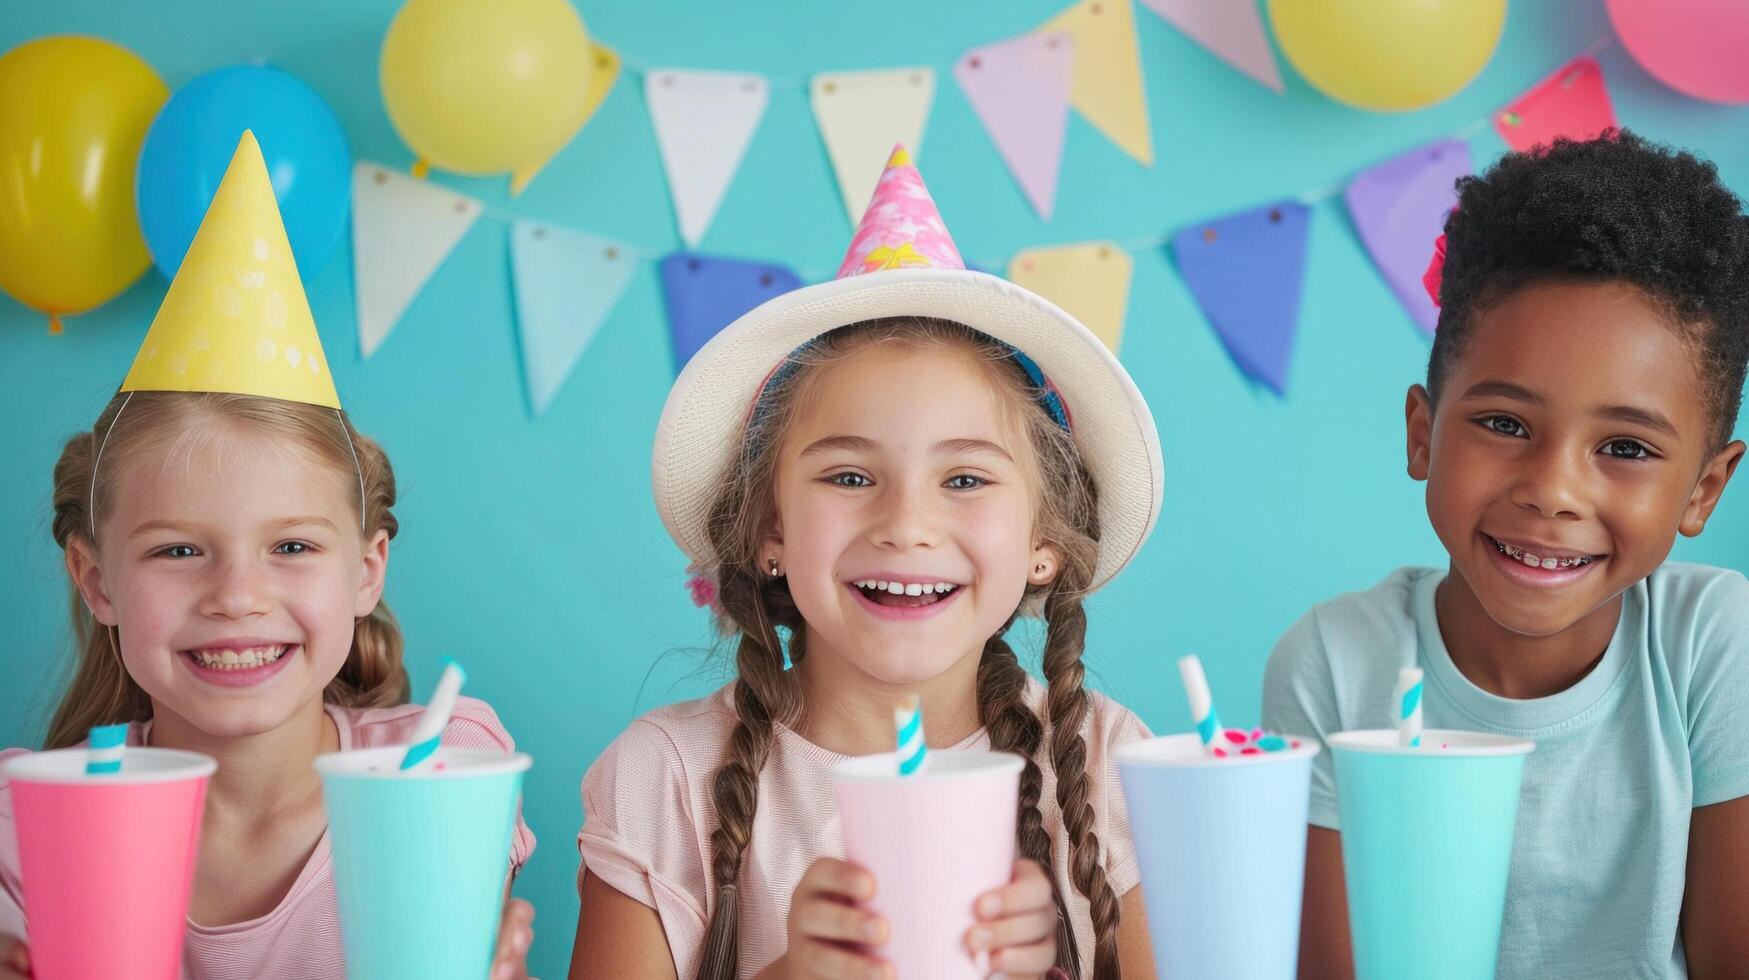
x=1426, y=847
x=1222, y=846
x=420, y=859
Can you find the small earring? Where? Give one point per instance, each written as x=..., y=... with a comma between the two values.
x=771, y=563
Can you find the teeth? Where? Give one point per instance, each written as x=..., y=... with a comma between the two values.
x=239, y=659
x=902, y=588
x=1537, y=561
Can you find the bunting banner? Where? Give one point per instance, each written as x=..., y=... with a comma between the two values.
x=602, y=75
x=1108, y=90
x=704, y=121
x=1231, y=30
x=704, y=294
x=565, y=282
x=1399, y=208
x=1020, y=90
x=1091, y=280
x=1246, y=271
x=862, y=115
x=402, y=230
x=1572, y=102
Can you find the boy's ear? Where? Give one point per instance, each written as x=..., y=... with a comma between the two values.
x=1709, y=487
x=87, y=577
x=1418, y=413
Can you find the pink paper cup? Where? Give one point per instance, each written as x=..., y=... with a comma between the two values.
x=107, y=861
x=934, y=842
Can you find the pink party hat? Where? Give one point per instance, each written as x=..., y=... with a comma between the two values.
x=901, y=228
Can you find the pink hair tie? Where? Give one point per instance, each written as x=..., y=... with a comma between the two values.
x=1435, y=273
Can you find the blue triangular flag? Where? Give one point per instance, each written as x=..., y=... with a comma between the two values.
x=1245, y=271
x=566, y=283
x=704, y=294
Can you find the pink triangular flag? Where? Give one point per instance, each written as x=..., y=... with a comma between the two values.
x=1572, y=102
x=1020, y=90
x=1229, y=29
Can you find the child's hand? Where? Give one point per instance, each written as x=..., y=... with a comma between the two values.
x=825, y=926
x=14, y=959
x=515, y=936
x=1017, y=924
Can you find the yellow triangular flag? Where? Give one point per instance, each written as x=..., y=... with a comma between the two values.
x=1108, y=89
x=601, y=78
x=235, y=319
x=1090, y=280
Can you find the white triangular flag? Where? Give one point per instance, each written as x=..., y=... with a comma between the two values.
x=566, y=283
x=862, y=115
x=703, y=121
x=402, y=230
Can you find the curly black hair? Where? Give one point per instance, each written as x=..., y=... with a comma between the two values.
x=1614, y=208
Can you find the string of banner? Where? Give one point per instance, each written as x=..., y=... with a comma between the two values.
x=1244, y=270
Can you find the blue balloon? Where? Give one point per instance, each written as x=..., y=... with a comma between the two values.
x=191, y=143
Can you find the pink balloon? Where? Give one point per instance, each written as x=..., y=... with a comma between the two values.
x=1696, y=47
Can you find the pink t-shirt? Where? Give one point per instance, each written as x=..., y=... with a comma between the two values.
x=648, y=816
x=300, y=939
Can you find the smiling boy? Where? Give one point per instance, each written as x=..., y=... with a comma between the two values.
x=1580, y=397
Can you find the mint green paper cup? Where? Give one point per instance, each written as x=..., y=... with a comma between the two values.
x=420, y=860
x=1426, y=849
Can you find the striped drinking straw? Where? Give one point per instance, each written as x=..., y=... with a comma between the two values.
x=429, y=732
x=106, y=745
x=1408, y=701
x=1202, y=704
x=913, y=753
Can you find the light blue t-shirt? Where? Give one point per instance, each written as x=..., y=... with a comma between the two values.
x=1660, y=726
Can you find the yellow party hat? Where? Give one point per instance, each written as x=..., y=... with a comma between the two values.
x=235, y=319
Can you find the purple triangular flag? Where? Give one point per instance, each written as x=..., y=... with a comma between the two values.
x=1245, y=271
x=1020, y=90
x=704, y=294
x=1399, y=208
x=1232, y=29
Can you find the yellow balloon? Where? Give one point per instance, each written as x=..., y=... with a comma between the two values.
x=1388, y=55
x=480, y=88
x=73, y=113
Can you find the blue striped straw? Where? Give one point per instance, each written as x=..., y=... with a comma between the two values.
x=1202, y=703
x=913, y=753
x=428, y=734
x=1409, y=707
x=106, y=745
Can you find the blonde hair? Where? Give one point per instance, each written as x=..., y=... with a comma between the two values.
x=157, y=425
x=753, y=604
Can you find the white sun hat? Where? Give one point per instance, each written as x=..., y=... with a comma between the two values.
x=903, y=263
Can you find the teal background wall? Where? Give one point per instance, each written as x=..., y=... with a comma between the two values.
x=530, y=548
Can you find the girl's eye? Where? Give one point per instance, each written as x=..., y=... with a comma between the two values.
x=178, y=551
x=965, y=481
x=291, y=548
x=1506, y=425
x=1626, y=449
x=855, y=481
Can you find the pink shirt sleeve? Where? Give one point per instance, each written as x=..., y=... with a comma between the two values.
x=640, y=834
x=11, y=891
x=1115, y=725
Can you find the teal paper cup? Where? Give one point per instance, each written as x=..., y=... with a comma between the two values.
x=1222, y=847
x=1426, y=846
x=420, y=859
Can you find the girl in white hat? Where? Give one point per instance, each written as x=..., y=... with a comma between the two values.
x=875, y=477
